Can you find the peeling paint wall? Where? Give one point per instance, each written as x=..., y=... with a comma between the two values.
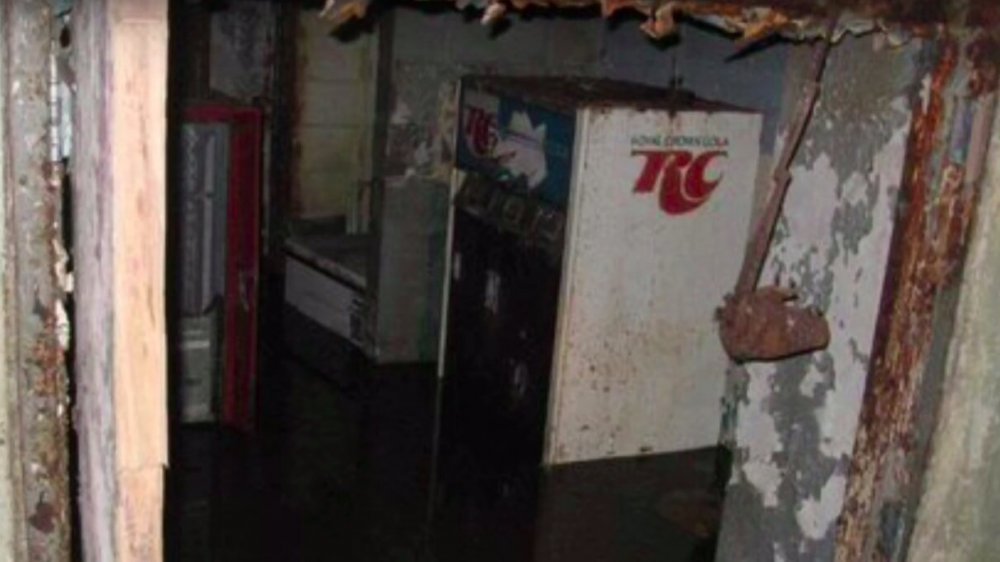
x=959, y=514
x=334, y=120
x=797, y=419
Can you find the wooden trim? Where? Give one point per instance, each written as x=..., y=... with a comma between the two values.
x=36, y=490
x=138, y=151
x=120, y=248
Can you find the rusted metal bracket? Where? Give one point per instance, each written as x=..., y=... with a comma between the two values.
x=761, y=324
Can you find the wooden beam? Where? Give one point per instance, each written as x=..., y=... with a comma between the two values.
x=120, y=246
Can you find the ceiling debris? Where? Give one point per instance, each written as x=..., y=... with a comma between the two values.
x=753, y=20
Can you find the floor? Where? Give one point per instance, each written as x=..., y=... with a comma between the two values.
x=340, y=469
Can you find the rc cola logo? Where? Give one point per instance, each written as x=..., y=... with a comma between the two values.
x=683, y=168
x=479, y=124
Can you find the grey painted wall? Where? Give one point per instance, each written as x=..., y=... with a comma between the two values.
x=432, y=50
x=796, y=419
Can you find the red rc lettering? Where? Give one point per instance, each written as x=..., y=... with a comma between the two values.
x=480, y=130
x=681, y=176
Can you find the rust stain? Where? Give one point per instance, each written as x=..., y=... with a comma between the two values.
x=752, y=18
x=44, y=517
x=928, y=249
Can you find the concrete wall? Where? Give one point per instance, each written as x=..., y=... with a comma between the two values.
x=708, y=63
x=958, y=514
x=240, y=46
x=336, y=116
x=796, y=419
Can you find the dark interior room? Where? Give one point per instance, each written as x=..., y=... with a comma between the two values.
x=499, y=280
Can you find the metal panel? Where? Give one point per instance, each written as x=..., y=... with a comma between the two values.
x=955, y=519
x=653, y=249
x=333, y=304
x=203, y=172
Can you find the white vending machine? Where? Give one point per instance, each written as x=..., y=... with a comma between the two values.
x=639, y=201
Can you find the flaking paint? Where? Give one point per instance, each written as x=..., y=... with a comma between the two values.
x=796, y=423
x=958, y=515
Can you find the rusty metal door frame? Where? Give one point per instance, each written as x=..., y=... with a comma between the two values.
x=34, y=479
x=945, y=159
x=119, y=248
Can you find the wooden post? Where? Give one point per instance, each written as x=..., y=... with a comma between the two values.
x=940, y=191
x=119, y=200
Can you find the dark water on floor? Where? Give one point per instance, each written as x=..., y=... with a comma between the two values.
x=340, y=470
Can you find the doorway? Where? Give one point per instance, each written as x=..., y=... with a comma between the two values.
x=356, y=427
